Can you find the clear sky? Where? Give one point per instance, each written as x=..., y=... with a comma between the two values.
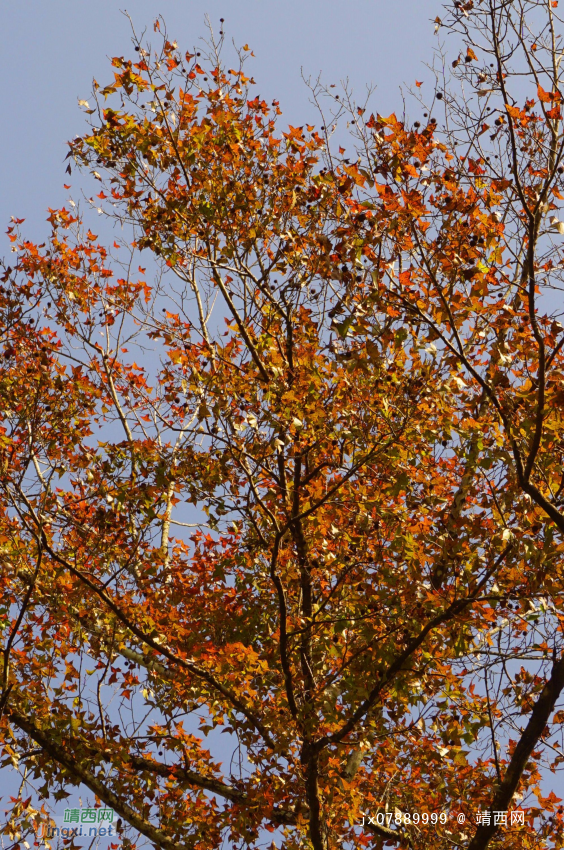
x=51, y=49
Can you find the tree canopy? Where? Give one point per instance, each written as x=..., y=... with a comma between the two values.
x=288, y=467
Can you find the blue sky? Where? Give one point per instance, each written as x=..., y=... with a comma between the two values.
x=50, y=51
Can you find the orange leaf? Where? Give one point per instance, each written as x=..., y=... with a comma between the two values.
x=513, y=112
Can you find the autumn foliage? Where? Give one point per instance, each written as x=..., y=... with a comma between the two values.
x=288, y=465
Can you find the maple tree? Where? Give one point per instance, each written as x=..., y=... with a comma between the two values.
x=302, y=482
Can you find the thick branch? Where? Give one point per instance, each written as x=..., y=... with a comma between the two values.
x=396, y=666
x=544, y=707
x=286, y=817
x=67, y=760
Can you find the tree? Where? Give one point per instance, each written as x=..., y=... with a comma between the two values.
x=351, y=369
